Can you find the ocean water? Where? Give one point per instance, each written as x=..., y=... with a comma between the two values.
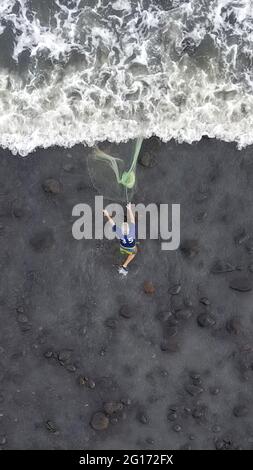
x=86, y=71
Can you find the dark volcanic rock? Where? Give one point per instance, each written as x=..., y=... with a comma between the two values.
x=126, y=401
x=225, y=444
x=193, y=390
x=190, y=248
x=164, y=316
x=205, y=320
x=222, y=266
x=177, y=302
x=25, y=327
x=142, y=417
x=125, y=311
x=174, y=290
x=71, y=367
x=241, y=284
x=204, y=301
x=86, y=381
x=51, y=186
x=171, y=322
x=50, y=426
x=216, y=429
x=187, y=411
x=177, y=428
x=64, y=356
x=147, y=160
x=183, y=315
x=20, y=309
x=240, y=411
x=170, y=346
x=149, y=288
x=112, y=407
x=22, y=318
x=196, y=378
x=172, y=415
x=199, y=412
x=99, y=421
x=48, y=354
x=42, y=240
x=111, y=322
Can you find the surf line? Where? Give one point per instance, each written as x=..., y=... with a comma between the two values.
x=90, y=460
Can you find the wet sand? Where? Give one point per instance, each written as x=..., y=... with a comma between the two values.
x=91, y=361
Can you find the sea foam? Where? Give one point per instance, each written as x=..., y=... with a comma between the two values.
x=82, y=71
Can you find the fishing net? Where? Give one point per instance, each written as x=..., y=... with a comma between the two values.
x=112, y=169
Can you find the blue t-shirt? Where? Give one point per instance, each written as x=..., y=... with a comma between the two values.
x=126, y=241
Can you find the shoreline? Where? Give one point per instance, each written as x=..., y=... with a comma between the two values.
x=153, y=137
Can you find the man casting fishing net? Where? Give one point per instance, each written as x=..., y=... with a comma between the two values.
x=126, y=235
x=114, y=176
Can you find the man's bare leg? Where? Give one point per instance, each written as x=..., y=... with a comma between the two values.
x=129, y=259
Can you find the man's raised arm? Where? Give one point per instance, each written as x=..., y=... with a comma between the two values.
x=130, y=213
x=106, y=214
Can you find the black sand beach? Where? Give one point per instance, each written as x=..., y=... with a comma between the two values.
x=169, y=369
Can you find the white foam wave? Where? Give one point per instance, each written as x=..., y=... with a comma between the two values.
x=125, y=69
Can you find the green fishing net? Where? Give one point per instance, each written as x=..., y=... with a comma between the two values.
x=112, y=169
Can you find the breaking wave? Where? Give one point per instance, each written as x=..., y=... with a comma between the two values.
x=82, y=71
